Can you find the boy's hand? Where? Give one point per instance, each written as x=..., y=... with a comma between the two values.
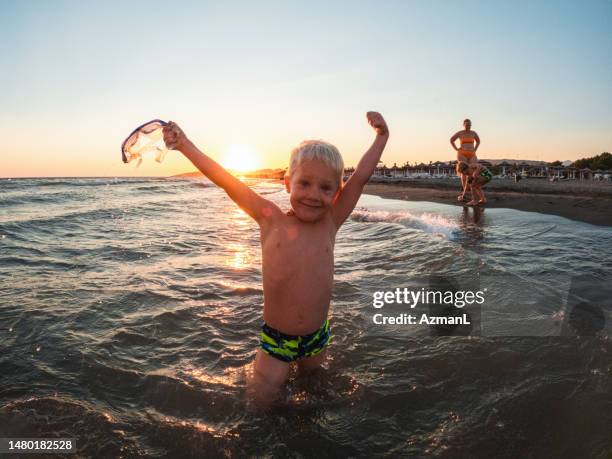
x=174, y=137
x=378, y=123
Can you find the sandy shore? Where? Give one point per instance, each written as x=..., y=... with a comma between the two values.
x=584, y=201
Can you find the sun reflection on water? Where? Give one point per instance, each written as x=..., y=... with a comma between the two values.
x=201, y=427
x=228, y=379
x=241, y=256
x=239, y=219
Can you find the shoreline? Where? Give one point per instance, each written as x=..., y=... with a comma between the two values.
x=591, y=205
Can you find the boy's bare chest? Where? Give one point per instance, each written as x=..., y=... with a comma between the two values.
x=291, y=248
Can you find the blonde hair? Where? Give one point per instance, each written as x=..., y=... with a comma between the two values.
x=317, y=149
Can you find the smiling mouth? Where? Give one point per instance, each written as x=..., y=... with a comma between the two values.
x=309, y=205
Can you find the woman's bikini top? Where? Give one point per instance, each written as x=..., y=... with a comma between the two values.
x=467, y=140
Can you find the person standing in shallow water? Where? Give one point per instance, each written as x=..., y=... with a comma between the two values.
x=297, y=249
x=466, y=152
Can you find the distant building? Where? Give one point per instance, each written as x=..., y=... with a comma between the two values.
x=504, y=169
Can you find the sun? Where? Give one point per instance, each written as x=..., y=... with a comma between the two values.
x=241, y=158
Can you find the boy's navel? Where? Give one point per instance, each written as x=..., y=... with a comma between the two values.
x=277, y=245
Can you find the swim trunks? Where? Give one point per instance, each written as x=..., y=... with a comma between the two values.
x=290, y=348
x=486, y=174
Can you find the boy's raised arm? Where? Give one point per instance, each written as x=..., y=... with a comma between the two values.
x=350, y=193
x=248, y=200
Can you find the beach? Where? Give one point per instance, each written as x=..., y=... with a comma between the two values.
x=585, y=201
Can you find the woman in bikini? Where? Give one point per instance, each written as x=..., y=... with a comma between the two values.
x=466, y=152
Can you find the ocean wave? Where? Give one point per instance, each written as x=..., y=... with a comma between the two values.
x=127, y=338
x=181, y=438
x=144, y=297
x=197, y=293
x=27, y=251
x=52, y=416
x=264, y=193
x=178, y=319
x=196, y=397
x=86, y=214
x=77, y=182
x=157, y=189
x=427, y=222
x=17, y=261
x=201, y=185
x=26, y=197
x=118, y=254
x=237, y=290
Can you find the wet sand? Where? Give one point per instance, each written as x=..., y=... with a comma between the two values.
x=589, y=202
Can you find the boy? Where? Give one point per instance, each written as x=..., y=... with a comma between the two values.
x=478, y=176
x=297, y=247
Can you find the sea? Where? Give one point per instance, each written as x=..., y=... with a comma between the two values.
x=130, y=312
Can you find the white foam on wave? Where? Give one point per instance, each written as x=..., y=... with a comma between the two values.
x=426, y=222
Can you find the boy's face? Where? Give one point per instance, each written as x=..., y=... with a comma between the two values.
x=313, y=185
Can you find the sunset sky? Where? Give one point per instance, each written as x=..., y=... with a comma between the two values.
x=77, y=77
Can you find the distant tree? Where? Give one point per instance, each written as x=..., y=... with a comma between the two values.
x=556, y=163
x=602, y=161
